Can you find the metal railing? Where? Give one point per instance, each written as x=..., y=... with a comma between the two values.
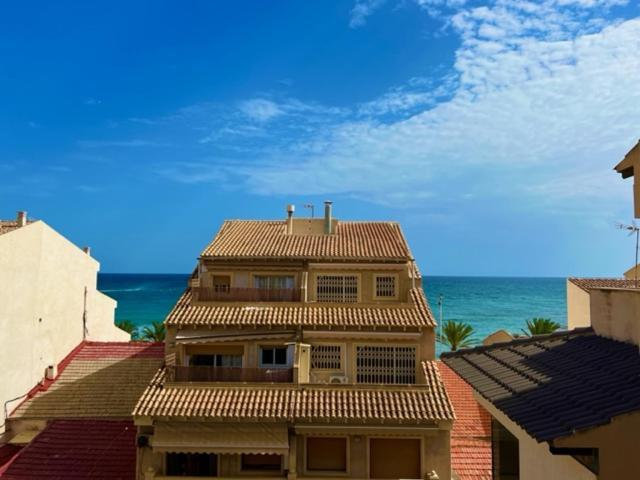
x=235, y=294
x=229, y=374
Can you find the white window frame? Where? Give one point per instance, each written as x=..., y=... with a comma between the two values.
x=289, y=361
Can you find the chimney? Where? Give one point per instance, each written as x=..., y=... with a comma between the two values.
x=87, y=250
x=328, y=222
x=22, y=218
x=290, y=209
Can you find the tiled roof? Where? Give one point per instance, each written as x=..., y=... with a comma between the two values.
x=97, y=380
x=554, y=385
x=78, y=450
x=299, y=403
x=268, y=239
x=305, y=315
x=595, y=283
x=7, y=226
x=471, y=433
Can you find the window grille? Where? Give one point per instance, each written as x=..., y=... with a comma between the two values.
x=325, y=357
x=337, y=288
x=386, y=364
x=385, y=286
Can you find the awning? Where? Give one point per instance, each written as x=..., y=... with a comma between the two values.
x=187, y=437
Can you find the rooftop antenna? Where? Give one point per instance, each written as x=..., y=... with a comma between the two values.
x=310, y=207
x=633, y=228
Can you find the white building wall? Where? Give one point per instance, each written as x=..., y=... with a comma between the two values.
x=43, y=278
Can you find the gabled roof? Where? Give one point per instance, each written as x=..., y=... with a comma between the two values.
x=251, y=239
x=78, y=450
x=99, y=379
x=471, y=433
x=597, y=283
x=553, y=385
x=415, y=314
x=363, y=404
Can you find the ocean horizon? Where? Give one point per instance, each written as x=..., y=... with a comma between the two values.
x=487, y=303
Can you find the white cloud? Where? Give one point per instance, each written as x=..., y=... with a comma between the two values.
x=541, y=94
x=260, y=109
x=362, y=10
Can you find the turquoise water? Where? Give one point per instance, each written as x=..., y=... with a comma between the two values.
x=488, y=304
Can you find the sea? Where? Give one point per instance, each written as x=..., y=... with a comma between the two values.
x=486, y=303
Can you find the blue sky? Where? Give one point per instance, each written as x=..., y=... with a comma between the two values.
x=489, y=129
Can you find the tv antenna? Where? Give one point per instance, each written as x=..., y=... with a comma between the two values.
x=310, y=207
x=633, y=229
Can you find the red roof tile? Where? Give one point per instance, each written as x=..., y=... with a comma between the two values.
x=471, y=434
x=78, y=449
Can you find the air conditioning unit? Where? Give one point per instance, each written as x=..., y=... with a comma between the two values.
x=51, y=372
x=338, y=379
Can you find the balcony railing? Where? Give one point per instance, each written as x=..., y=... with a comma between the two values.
x=235, y=294
x=229, y=374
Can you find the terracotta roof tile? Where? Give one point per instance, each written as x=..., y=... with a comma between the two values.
x=85, y=383
x=553, y=385
x=595, y=283
x=78, y=449
x=417, y=314
x=471, y=433
x=268, y=239
x=299, y=403
x=7, y=226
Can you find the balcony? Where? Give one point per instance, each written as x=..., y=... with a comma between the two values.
x=229, y=374
x=235, y=294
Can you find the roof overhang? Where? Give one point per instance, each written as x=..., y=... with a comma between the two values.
x=630, y=160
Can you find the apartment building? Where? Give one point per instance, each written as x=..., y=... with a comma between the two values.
x=302, y=348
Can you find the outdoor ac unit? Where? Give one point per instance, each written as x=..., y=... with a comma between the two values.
x=51, y=372
x=338, y=379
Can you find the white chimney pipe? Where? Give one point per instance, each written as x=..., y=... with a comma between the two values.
x=328, y=225
x=290, y=209
x=21, y=218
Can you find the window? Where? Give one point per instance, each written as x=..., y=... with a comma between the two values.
x=505, y=452
x=274, y=282
x=385, y=286
x=221, y=283
x=337, y=288
x=385, y=364
x=216, y=360
x=274, y=357
x=326, y=454
x=269, y=462
x=192, y=465
x=326, y=357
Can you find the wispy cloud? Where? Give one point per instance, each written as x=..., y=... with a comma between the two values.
x=132, y=143
x=362, y=10
x=92, y=102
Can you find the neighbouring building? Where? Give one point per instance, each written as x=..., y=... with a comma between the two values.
x=48, y=305
x=302, y=348
x=567, y=405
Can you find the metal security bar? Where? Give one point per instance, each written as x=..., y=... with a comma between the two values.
x=337, y=288
x=326, y=357
x=385, y=286
x=386, y=364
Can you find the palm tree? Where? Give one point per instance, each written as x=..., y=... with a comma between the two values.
x=154, y=332
x=456, y=335
x=540, y=326
x=129, y=327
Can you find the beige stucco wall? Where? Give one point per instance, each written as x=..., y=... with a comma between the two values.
x=42, y=301
x=578, y=307
x=618, y=443
x=536, y=461
x=616, y=314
